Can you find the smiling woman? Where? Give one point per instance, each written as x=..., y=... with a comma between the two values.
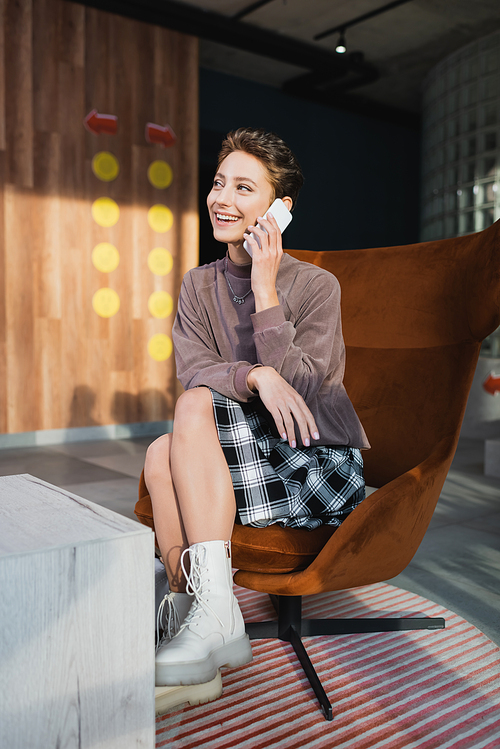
x=240, y=195
x=264, y=432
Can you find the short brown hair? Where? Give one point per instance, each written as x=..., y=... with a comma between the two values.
x=284, y=172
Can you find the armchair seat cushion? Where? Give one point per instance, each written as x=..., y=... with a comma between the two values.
x=275, y=549
x=272, y=549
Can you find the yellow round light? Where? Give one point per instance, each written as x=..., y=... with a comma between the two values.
x=105, y=212
x=105, y=257
x=160, y=218
x=160, y=304
x=106, y=302
x=160, y=261
x=160, y=174
x=105, y=166
x=160, y=347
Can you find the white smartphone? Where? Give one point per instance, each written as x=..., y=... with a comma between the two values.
x=282, y=216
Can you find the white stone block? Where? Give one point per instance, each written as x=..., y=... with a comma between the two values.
x=76, y=622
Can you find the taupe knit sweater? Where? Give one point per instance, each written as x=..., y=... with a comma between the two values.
x=217, y=341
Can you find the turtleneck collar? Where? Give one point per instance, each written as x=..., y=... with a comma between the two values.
x=240, y=271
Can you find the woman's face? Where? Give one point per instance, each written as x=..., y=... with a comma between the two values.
x=241, y=192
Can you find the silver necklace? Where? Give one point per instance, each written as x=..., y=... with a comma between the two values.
x=236, y=298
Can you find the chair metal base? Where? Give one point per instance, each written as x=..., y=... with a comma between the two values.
x=290, y=627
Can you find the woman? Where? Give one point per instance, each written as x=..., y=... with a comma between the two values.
x=264, y=431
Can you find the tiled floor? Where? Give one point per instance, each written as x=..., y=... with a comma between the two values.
x=457, y=565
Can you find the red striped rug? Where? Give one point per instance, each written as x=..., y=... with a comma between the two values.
x=396, y=690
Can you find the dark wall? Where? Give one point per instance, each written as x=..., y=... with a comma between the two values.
x=361, y=175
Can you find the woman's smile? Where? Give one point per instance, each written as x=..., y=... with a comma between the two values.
x=226, y=219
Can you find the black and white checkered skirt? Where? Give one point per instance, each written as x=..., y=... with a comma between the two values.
x=274, y=483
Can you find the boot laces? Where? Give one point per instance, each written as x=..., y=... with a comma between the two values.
x=197, y=581
x=172, y=623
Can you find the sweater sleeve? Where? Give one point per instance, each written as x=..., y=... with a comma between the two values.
x=197, y=357
x=306, y=351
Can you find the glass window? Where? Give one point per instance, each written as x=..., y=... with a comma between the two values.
x=430, y=93
x=489, y=114
x=452, y=152
x=452, y=102
x=490, y=141
x=461, y=141
x=451, y=225
x=424, y=234
x=438, y=228
x=466, y=197
x=452, y=176
x=466, y=222
x=488, y=217
x=469, y=69
x=491, y=344
x=489, y=164
x=488, y=87
x=469, y=95
x=490, y=61
x=470, y=221
x=452, y=127
x=451, y=201
x=431, y=232
x=469, y=121
x=489, y=192
x=469, y=171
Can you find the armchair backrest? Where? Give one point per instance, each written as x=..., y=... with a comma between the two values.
x=413, y=321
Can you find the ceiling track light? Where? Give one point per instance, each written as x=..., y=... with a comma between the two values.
x=341, y=48
x=347, y=24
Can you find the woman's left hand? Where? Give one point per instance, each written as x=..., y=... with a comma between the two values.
x=265, y=261
x=284, y=404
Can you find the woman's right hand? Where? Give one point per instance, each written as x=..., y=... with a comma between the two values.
x=284, y=404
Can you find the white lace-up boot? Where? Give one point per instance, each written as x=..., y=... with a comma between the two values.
x=172, y=611
x=167, y=698
x=213, y=633
x=171, y=608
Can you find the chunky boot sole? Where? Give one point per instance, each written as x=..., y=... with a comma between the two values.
x=196, y=694
x=233, y=654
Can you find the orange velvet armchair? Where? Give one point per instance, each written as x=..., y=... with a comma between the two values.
x=413, y=319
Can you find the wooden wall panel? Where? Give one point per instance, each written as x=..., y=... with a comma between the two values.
x=2, y=78
x=61, y=364
x=18, y=70
x=3, y=302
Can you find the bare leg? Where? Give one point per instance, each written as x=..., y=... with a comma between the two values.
x=169, y=529
x=189, y=483
x=213, y=632
x=199, y=470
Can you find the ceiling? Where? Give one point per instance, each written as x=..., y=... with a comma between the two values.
x=387, y=58
x=403, y=43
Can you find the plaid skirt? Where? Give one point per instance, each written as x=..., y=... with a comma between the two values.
x=302, y=487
